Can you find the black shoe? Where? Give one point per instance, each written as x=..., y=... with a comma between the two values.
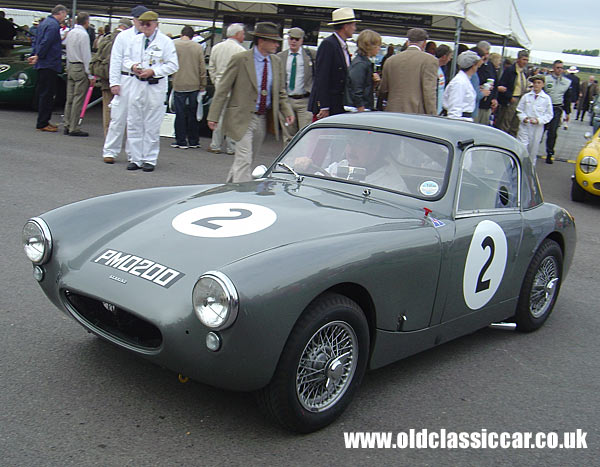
x=78, y=133
x=549, y=160
x=66, y=131
x=146, y=167
x=133, y=166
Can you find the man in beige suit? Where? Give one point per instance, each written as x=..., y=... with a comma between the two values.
x=298, y=68
x=410, y=78
x=254, y=79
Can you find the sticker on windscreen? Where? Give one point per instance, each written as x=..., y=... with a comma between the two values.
x=429, y=188
x=4, y=68
x=486, y=261
x=224, y=220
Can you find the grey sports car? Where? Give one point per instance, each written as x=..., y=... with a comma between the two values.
x=370, y=238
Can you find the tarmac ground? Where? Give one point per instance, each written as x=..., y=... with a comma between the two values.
x=68, y=398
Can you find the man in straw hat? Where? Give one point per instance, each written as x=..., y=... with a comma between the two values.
x=253, y=81
x=333, y=61
x=534, y=111
x=152, y=58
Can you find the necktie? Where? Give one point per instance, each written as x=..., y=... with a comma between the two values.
x=262, y=105
x=146, y=43
x=346, y=54
x=293, y=72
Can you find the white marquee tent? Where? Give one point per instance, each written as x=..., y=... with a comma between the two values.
x=450, y=20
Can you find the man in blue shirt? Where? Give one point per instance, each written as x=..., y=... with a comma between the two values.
x=46, y=58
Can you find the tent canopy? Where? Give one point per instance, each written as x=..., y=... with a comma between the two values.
x=496, y=21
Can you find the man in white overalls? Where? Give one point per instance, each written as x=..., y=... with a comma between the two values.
x=534, y=111
x=119, y=82
x=152, y=59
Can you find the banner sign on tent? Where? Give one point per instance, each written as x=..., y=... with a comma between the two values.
x=379, y=17
x=309, y=12
x=386, y=17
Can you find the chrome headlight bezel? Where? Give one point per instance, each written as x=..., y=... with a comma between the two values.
x=45, y=239
x=22, y=78
x=588, y=162
x=229, y=300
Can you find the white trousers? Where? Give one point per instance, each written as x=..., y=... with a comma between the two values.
x=531, y=136
x=146, y=112
x=118, y=122
x=247, y=148
x=217, y=135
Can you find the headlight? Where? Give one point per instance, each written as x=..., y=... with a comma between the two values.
x=588, y=164
x=22, y=78
x=37, y=241
x=215, y=300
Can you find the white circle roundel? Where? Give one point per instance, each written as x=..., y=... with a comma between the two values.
x=224, y=220
x=486, y=261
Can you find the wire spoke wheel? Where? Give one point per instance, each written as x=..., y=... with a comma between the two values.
x=544, y=287
x=540, y=287
x=326, y=366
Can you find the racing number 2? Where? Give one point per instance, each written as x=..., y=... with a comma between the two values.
x=485, y=264
x=481, y=284
x=209, y=221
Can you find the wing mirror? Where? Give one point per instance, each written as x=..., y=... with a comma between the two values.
x=259, y=172
x=587, y=135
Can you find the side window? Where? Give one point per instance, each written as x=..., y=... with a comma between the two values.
x=489, y=181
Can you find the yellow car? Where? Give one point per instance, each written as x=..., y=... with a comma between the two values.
x=587, y=173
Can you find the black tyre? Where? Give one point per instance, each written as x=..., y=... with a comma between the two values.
x=321, y=366
x=577, y=193
x=540, y=287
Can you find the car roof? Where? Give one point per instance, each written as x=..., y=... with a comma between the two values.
x=453, y=131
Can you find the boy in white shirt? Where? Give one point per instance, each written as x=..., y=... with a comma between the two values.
x=534, y=111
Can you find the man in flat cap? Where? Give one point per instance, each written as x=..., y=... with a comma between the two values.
x=254, y=79
x=298, y=65
x=460, y=97
x=333, y=61
x=152, y=58
x=410, y=78
x=120, y=79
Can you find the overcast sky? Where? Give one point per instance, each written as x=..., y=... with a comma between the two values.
x=555, y=25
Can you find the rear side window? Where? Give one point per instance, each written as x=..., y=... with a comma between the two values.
x=489, y=181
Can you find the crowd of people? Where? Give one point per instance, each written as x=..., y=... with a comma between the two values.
x=133, y=64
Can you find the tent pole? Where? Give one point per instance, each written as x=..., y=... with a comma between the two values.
x=74, y=10
x=504, y=46
x=459, y=22
x=110, y=13
x=214, y=28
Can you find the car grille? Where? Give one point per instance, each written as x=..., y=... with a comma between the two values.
x=119, y=323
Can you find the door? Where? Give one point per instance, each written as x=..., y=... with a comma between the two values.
x=488, y=233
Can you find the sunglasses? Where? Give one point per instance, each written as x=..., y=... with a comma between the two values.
x=146, y=24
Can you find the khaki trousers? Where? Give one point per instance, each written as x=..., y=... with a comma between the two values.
x=483, y=116
x=106, y=98
x=302, y=118
x=77, y=86
x=509, y=122
x=247, y=148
